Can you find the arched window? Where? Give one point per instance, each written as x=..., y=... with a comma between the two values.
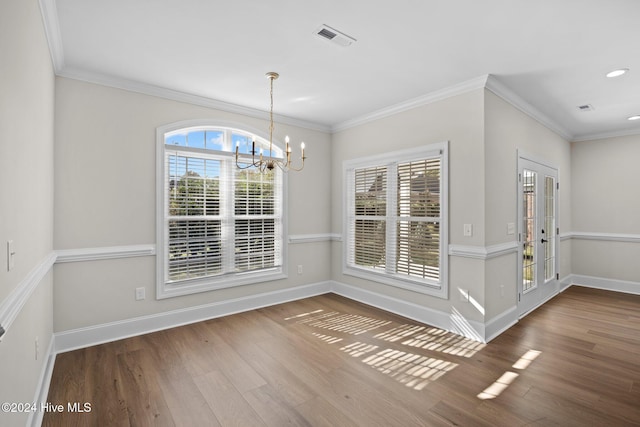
x=218, y=225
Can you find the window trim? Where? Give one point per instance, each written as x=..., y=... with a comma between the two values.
x=441, y=290
x=187, y=287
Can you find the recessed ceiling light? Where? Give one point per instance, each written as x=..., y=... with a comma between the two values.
x=617, y=73
x=634, y=117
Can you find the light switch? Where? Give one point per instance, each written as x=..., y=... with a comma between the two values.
x=468, y=230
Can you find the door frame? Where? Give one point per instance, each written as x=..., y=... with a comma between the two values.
x=545, y=289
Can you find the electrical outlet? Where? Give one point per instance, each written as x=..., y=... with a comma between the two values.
x=300, y=269
x=511, y=228
x=140, y=294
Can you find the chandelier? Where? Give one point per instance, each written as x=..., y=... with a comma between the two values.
x=267, y=162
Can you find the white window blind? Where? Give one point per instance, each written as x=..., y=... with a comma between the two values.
x=418, y=222
x=219, y=225
x=395, y=213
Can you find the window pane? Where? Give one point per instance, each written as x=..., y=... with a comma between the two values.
x=371, y=191
x=255, y=246
x=254, y=192
x=177, y=139
x=418, y=249
x=195, y=249
x=549, y=227
x=370, y=243
x=195, y=139
x=194, y=186
x=214, y=140
x=419, y=188
x=529, y=192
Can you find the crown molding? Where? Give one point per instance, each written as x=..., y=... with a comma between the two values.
x=429, y=98
x=51, y=24
x=174, y=95
x=499, y=89
x=605, y=135
x=50, y=20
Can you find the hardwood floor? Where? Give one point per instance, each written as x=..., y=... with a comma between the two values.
x=329, y=361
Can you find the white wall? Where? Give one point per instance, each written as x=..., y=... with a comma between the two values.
x=26, y=198
x=105, y=196
x=606, y=209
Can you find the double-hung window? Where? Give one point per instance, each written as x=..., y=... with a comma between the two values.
x=218, y=225
x=395, y=219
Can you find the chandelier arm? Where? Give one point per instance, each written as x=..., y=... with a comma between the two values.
x=269, y=162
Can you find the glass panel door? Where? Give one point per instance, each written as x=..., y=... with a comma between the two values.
x=537, y=210
x=529, y=227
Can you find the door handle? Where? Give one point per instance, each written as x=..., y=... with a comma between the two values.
x=543, y=240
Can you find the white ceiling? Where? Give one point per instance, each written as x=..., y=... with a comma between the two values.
x=549, y=55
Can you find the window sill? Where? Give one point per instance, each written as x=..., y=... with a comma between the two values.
x=170, y=290
x=439, y=291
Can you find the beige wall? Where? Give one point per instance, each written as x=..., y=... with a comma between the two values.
x=26, y=199
x=459, y=120
x=606, y=200
x=106, y=196
x=485, y=134
x=508, y=130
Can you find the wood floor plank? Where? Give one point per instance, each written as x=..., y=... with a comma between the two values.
x=292, y=389
x=184, y=398
x=226, y=401
x=146, y=404
x=320, y=413
x=327, y=360
x=272, y=409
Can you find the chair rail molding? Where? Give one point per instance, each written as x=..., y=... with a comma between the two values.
x=110, y=252
x=15, y=301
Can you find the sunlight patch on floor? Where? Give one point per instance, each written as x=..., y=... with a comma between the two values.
x=347, y=323
x=525, y=361
x=445, y=342
x=326, y=338
x=358, y=349
x=502, y=383
x=399, y=333
x=412, y=370
x=297, y=316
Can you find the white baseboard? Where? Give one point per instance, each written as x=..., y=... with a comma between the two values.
x=98, y=334
x=625, y=286
x=42, y=390
x=452, y=322
x=501, y=323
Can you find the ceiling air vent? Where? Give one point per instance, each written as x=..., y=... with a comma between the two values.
x=585, y=107
x=334, y=36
